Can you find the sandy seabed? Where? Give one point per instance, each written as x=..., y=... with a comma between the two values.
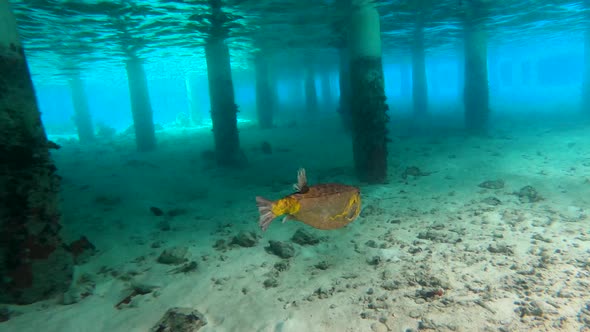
x=470, y=234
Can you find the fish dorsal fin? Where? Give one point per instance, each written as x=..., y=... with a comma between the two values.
x=301, y=186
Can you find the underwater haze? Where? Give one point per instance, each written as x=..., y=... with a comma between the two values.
x=182, y=126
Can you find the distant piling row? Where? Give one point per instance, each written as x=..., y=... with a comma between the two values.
x=363, y=110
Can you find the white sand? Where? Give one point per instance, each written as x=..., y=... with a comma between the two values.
x=480, y=288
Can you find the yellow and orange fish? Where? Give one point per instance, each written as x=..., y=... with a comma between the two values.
x=323, y=206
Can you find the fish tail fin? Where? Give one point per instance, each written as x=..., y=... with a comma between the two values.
x=265, y=210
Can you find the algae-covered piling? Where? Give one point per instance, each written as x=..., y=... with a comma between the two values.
x=475, y=92
x=368, y=107
x=34, y=264
x=141, y=107
x=221, y=92
x=82, y=117
x=264, y=94
x=419, y=91
x=311, y=97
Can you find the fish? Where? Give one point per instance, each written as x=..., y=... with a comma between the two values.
x=323, y=206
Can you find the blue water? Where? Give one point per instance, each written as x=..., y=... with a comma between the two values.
x=435, y=247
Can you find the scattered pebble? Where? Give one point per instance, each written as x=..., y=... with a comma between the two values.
x=305, y=237
x=375, y=260
x=492, y=184
x=492, y=201
x=281, y=249
x=270, y=283
x=500, y=249
x=185, y=268
x=180, y=320
x=323, y=265
x=173, y=256
x=81, y=250
x=379, y=327
x=220, y=245
x=156, y=211
x=528, y=194
x=245, y=239
x=414, y=171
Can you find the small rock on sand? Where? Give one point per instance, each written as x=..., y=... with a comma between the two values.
x=379, y=327
x=304, y=237
x=281, y=249
x=492, y=184
x=528, y=194
x=245, y=239
x=173, y=256
x=156, y=211
x=180, y=320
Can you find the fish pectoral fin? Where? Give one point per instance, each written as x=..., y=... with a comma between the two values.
x=287, y=218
